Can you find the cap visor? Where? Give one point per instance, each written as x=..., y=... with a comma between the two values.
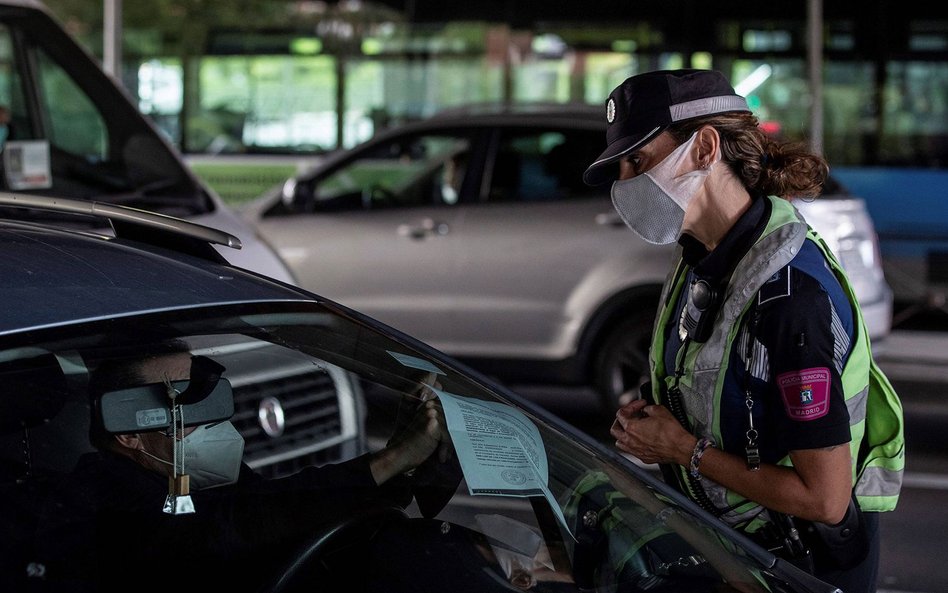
x=599, y=172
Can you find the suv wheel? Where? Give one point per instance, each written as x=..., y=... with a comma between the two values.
x=621, y=365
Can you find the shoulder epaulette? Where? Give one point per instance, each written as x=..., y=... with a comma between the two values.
x=776, y=287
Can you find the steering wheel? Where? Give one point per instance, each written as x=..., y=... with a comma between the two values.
x=347, y=529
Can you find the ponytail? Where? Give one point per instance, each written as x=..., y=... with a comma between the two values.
x=766, y=166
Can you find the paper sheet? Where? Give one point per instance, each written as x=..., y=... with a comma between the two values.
x=500, y=450
x=26, y=164
x=415, y=363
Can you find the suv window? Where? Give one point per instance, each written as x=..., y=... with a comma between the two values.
x=408, y=171
x=542, y=165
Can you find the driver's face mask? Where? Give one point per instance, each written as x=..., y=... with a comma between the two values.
x=653, y=204
x=212, y=455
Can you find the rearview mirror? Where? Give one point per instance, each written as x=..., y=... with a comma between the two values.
x=147, y=407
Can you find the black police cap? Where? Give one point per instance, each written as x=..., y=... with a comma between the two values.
x=646, y=104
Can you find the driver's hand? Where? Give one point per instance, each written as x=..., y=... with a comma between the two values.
x=425, y=435
x=411, y=400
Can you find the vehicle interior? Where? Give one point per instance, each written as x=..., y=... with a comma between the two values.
x=568, y=519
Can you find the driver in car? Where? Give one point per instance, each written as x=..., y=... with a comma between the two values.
x=177, y=509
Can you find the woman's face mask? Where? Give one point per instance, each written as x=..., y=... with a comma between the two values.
x=653, y=204
x=212, y=455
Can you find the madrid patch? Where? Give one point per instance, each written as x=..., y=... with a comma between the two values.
x=805, y=393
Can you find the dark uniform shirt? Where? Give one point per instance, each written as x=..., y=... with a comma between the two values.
x=798, y=347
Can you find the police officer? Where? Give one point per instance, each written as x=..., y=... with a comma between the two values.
x=762, y=378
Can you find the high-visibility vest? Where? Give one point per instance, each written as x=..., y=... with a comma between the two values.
x=876, y=424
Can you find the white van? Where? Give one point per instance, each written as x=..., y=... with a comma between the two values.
x=67, y=129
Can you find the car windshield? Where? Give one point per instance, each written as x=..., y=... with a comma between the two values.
x=525, y=502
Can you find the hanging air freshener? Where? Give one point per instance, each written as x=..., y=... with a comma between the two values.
x=178, y=501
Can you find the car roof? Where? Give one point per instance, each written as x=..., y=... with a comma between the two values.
x=54, y=276
x=579, y=116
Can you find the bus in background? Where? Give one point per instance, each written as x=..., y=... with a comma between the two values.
x=909, y=207
x=886, y=138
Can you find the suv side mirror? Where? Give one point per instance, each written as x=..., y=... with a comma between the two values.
x=297, y=196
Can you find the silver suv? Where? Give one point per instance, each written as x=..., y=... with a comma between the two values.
x=474, y=231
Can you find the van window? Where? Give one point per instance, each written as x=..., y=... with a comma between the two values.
x=11, y=89
x=70, y=119
x=75, y=124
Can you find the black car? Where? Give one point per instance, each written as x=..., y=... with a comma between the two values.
x=548, y=509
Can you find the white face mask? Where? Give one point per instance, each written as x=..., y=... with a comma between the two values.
x=212, y=455
x=653, y=204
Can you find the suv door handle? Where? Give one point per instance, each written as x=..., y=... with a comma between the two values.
x=427, y=228
x=609, y=219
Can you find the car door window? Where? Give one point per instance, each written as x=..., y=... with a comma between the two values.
x=419, y=170
x=542, y=165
